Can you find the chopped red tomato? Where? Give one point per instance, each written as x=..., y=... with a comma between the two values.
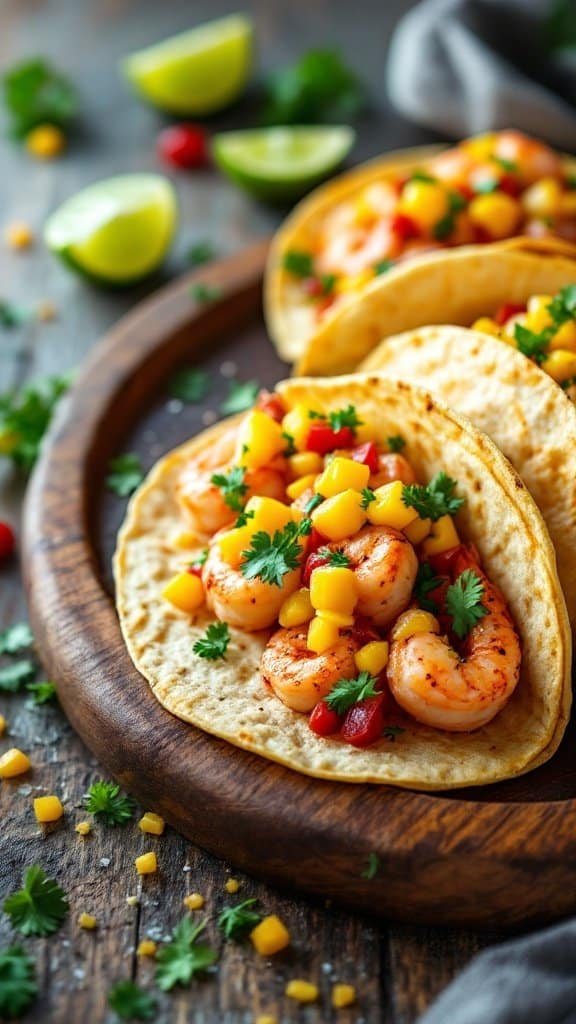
x=323, y=439
x=195, y=570
x=183, y=145
x=364, y=722
x=367, y=454
x=323, y=720
x=7, y=541
x=404, y=227
x=314, y=561
x=507, y=311
x=271, y=404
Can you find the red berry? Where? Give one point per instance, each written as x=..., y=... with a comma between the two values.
x=183, y=145
x=7, y=541
x=323, y=720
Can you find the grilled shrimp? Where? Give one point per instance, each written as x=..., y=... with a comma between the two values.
x=441, y=689
x=298, y=676
x=392, y=467
x=385, y=567
x=246, y=604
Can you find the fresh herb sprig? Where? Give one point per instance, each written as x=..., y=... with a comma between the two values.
x=562, y=309
x=270, y=557
x=42, y=692
x=125, y=474
x=35, y=93
x=298, y=263
x=434, y=500
x=16, y=638
x=18, y=987
x=130, y=1002
x=39, y=907
x=234, y=922
x=13, y=676
x=348, y=692
x=319, y=87
x=347, y=417
x=183, y=957
x=241, y=396
x=25, y=416
x=214, y=644
x=108, y=805
x=189, y=385
x=396, y=443
x=368, y=497
x=464, y=602
x=426, y=583
x=232, y=486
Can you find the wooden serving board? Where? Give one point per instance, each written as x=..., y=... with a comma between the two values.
x=494, y=856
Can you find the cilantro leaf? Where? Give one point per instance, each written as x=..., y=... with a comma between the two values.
x=125, y=474
x=200, y=560
x=298, y=263
x=290, y=444
x=327, y=283
x=16, y=638
x=235, y=921
x=35, y=93
x=382, y=267
x=241, y=396
x=130, y=1002
x=534, y=346
x=368, y=497
x=464, y=602
x=347, y=417
x=232, y=487
x=507, y=165
x=39, y=907
x=25, y=416
x=347, y=692
x=202, y=292
x=425, y=583
x=181, y=958
x=435, y=500
x=42, y=692
x=313, y=503
x=244, y=518
x=189, y=385
x=214, y=643
x=13, y=676
x=269, y=558
x=200, y=253
x=446, y=224
x=12, y=315
x=395, y=443
x=105, y=801
x=18, y=986
x=563, y=305
x=337, y=558
x=319, y=87
x=372, y=868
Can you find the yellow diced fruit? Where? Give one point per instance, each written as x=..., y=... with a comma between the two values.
x=342, y=474
x=302, y=991
x=269, y=515
x=372, y=657
x=497, y=213
x=13, y=763
x=297, y=424
x=232, y=886
x=152, y=823
x=355, y=282
x=543, y=198
x=343, y=995
x=425, y=202
x=538, y=314
x=48, y=808
x=83, y=828
x=45, y=141
x=304, y=464
x=296, y=489
x=565, y=337
x=341, y=516
x=265, y=1018
x=442, y=538
x=333, y=588
x=18, y=235
x=418, y=530
x=296, y=609
x=259, y=440
x=146, y=948
x=413, y=621
x=560, y=365
x=321, y=635
x=480, y=147
x=233, y=542
x=270, y=936
x=509, y=328
x=185, y=540
x=87, y=921
x=3, y=725
x=185, y=592
x=388, y=509
x=146, y=863
x=486, y=326
x=194, y=901
x=336, y=618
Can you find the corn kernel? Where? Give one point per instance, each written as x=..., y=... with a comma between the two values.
x=146, y=948
x=46, y=311
x=146, y=863
x=560, y=364
x=413, y=621
x=185, y=592
x=194, y=901
x=339, y=619
x=13, y=763
x=442, y=538
x=270, y=936
x=269, y=515
x=296, y=489
x=341, y=516
x=418, y=530
x=132, y=901
x=425, y=202
x=45, y=141
x=302, y=991
x=260, y=439
x=334, y=588
x=388, y=509
x=565, y=337
x=343, y=995
x=304, y=464
x=18, y=235
x=87, y=921
x=486, y=326
x=232, y=543
x=297, y=424
x=296, y=609
x=497, y=213
x=372, y=657
x=83, y=828
x=543, y=198
x=321, y=635
x=265, y=1018
x=48, y=808
x=342, y=474
x=3, y=724
x=184, y=540
x=232, y=886
x=152, y=823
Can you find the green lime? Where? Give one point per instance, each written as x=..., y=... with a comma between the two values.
x=116, y=231
x=196, y=72
x=282, y=163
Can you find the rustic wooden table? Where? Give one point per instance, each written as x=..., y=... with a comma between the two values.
x=397, y=969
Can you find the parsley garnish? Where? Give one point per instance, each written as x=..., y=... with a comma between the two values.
x=290, y=444
x=235, y=921
x=13, y=676
x=269, y=558
x=562, y=308
x=105, y=801
x=243, y=518
x=300, y=264
x=372, y=868
x=214, y=643
x=421, y=175
x=344, y=418
x=18, y=986
x=189, y=385
x=313, y=503
x=39, y=907
x=130, y=1002
x=181, y=958
x=534, y=346
x=319, y=87
x=125, y=474
x=347, y=692
x=35, y=93
x=337, y=558
x=445, y=225
x=203, y=292
x=16, y=638
x=232, y=487
x=200, y=560
x=464, y=602
x=425, y=583
x=435, y=500
x=368, y=497
x=241, y=396
x=563, y=305
x=382, y=267
x=327, y=283
x=12, y=315
x=507, y=165
x=42, y=692
x=25, y=417
x=200, y=253
x=395, y=443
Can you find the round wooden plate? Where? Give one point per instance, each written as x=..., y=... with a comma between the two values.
x=499, y=855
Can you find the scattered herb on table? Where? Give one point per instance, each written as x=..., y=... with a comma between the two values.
x=16, y=638
x=200, y=253
x=234, y=922
x=270, y=557
x=125, y=474
x=395, y=443
x=232, y=486
x=130, y=1002
x=561, y=26
x=372, y=868
x=42, y=692
x=25, y=416
x=426, y=582
x=12, y=315
x=183, y=957
x=36, y=94
x=435, y=499
x=464, y=602
x=214, y=643
x=18, y=987
x=105, y=801
x=39, y=907
x=319, y=87
x=203, y=292
x=241, y=396
x=189, y=385
x=13, y=676
x=347, y=692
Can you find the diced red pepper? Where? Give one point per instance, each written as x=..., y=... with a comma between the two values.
x=314, y=561
x=195, y=570
x=507, y=311
x=314, y=541
x=509, y=184
x=454, y=561
x=271, y=404
x=364, y=722
x=367, y=454
x=7, y=541
x=322, y=438
x=404, y=227
x=313, y=287
x=323, y=720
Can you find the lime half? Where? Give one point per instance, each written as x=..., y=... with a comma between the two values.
x=116, y=231
x=197, y=72
x=282, y=163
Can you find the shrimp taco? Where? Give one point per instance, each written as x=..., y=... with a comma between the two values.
x=350, y=236
x=350, y=580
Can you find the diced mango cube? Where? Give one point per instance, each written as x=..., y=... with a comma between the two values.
x=152, y=823
x=295, y=489
x=3, y=725
x=343, y=995
x=412, y=621
x=185, y=592
x=342, y=474
x=560, y=365
x=538, y=315
x=184, y=540
x=13, y=762
x=260, y=439
x=87, y=921
x=388, y=509
x=232, y=886
x=418, y=530
x=48, y=808
x=296, y=609
x=543, y=198
x=321, y=635
x=83, y=828
x=425, y=202
x=270, y=936
x=496, y=212
x=443, y=536
x=269, y=514
x=565, y=337
x=372, y=657
x=297, y=423
x=194, y=901
x=232, y=543
x=146, y=863
x=486, y=326
x=337, y=618
x=305, y=463
x=333, y=588
x=302, y=991
x=146, y=948
x=341, y=516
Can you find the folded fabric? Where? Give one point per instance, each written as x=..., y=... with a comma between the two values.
x=468, y=66
x=529, y=979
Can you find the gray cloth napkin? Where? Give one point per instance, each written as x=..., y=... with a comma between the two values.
x=527, y=980
x=468, y=66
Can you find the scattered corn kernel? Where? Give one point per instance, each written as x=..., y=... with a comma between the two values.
x=260, y=438
x=341, y=516
x=48, y=808
x=132, y=901
x=560, y=364
x=443, y=536
x=13, y=763
x=388, y=509
x=304, y=464
x=146, y=948
x=343, y=995
x=302, y=991
x=3, y=724
x=87, y=921
x=152, y=823
x=321, y=635
x=18, y=235
x=413, y=621
x=233, y=542
x=270, y=936
x=269, y=515
x=297, y=488
x=425, y=202
x=45, y=141
x=185, y=592
x=418, y=530
x=342, y=474
x=296, y=423
x=265, y=1018
x=83, y=828
x=372, y=657
x=334, y=588
x=339, y=619
x=296, y=609
x=194, y=901
x=146, y=863
x=46, y=311
x=565, y=337
x=486, y=326
x=232, y=886
x=497, y=213
x=543, y=198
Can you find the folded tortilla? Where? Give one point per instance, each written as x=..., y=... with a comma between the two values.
x=227, y=698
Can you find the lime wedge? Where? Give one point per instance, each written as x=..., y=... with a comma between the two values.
x=196, y=72
x=281, y=163
x=116, y=231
